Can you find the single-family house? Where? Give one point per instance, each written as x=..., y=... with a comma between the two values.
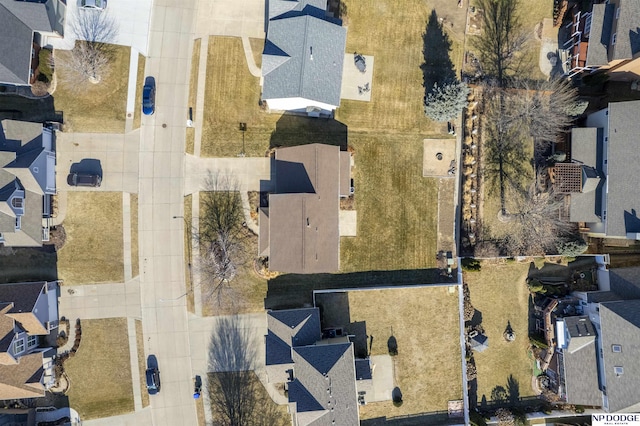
x=299, y=227
x=302, y=58
x=27, y=182
x=606, y=38
x=598, y=351
x=27, y=312
x=24, y=24
x=601, y=178
x=325, y=382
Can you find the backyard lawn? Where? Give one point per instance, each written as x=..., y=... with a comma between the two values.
x=397, y=207
x=94, y=237
x=99, y=108
x=499, y=291
x=100, y=372
x=424, y=322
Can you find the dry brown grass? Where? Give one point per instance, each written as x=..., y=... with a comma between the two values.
x=499, y=291
x=100, y=108
x=100, y=372
x=188, y=260
x=142, y=363
x=257, y=46
x=193, y=92
x=397, y=207
x=93, y=252
x=248, y=290
x=231, y=96
x=135, y=261
x=137, y=114
x=428, y=365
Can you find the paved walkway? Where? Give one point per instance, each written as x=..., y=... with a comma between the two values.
x=126, y=235
x=251, y=62
x=250, y=173
x=231, y=18
x=131, y=89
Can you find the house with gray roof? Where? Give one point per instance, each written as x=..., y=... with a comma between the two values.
x=27, y=182
x=24, y=24
x=601, y=178
x=325, y=382
x=299, y=227
x=605, y=38
x=302, y=58
x=27, y=312
x=598, y=352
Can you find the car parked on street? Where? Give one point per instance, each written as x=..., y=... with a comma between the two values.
x=84, y=179
x=149, y=96
x=93, y=4
x=153, y=380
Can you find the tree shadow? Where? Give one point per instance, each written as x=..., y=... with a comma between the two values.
x=294, y=130
x=232, y=346
x=508, y=329
x=437, y=66
x=513, y=390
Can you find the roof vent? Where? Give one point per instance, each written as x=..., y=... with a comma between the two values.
x=618, y=371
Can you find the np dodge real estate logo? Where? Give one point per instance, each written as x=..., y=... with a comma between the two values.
x=615, y=419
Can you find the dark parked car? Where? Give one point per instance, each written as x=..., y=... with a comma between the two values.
x=153, y=380
x=84, y=179
x=149, y=96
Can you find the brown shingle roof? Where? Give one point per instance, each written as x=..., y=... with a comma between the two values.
x=303, y=214
x=22, y=380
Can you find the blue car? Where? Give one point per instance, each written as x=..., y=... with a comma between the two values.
x=149, y=96
x=153, y=381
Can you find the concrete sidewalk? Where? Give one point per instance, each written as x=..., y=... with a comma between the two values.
x=92, y=301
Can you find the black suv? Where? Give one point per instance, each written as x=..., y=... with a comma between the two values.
x=84, y=179
x=153, y=380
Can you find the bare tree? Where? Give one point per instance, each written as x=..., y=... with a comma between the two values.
x=234, y=390
x=539, y=224
x=221, y=236
x=542, y=107
x=90, y=58
x=501, y=40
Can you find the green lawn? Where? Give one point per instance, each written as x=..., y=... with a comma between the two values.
x=93, y=252
x=100, y=372
x=99, y=108
x=499, y=291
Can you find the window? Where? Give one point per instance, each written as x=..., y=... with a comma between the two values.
x=618, y=371
x=616, y=348
x=18, y=346
x=16, y=202
x=18, y=222
x=613, y=38
x=32, y=341
x=617, y=13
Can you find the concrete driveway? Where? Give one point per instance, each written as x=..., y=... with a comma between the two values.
x=231, y=18
x=116, y=155
x=133, y=19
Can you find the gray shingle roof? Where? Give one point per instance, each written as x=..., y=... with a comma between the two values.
x=295, y=327
x=15, y=48
x=581, y=376
x=620, y=325
x=600, y=35
x=303, y=58
x=277, y=351
x=23, y=295
x=625, y=282
x=301, y=396
x=280, y=7
x=627, y=27
x=586, y=146
x=327, y=372
x=623, y=199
